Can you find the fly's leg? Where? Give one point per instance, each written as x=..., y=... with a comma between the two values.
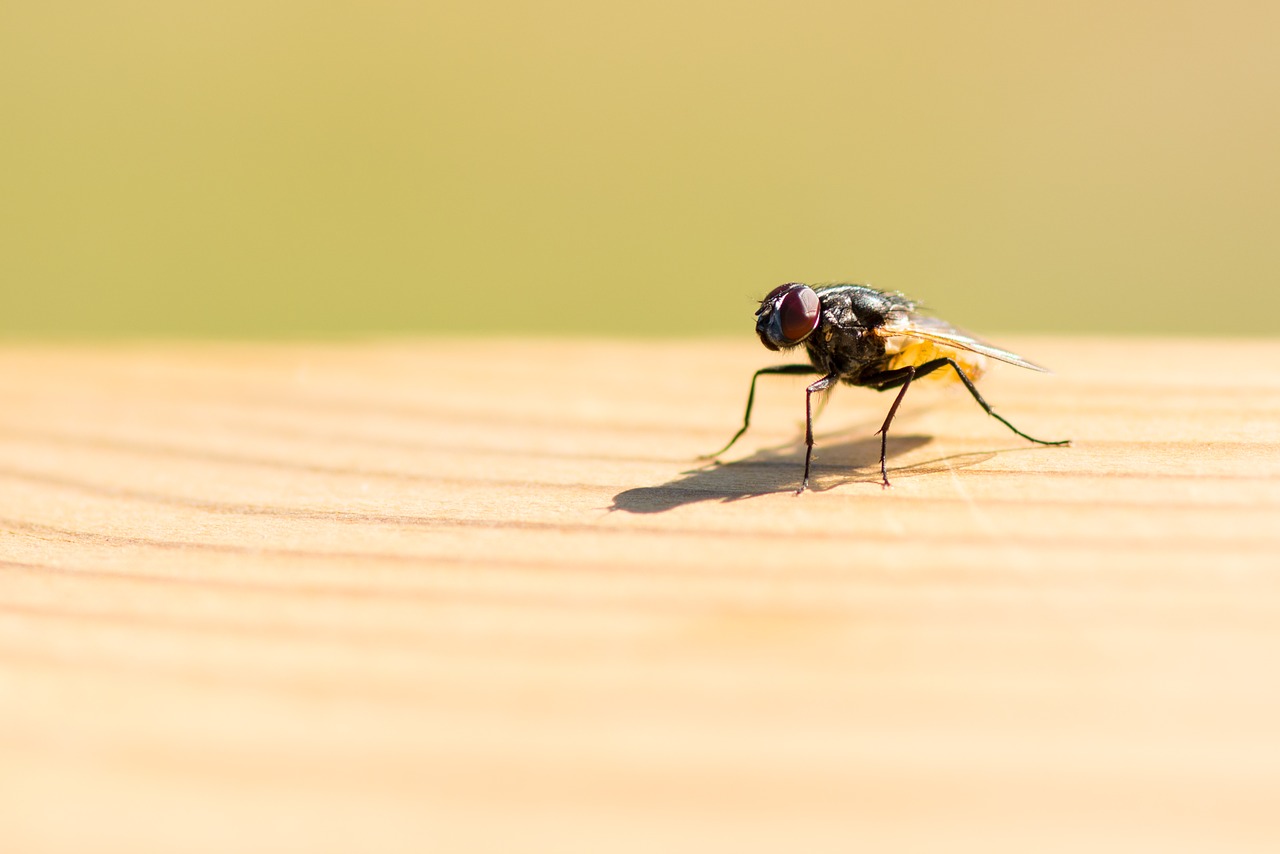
x=909, y=373
x=930, y=367
x=751, y=399
x=903, y=377
x=821, y=385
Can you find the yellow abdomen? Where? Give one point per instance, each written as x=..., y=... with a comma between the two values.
x=903, y=351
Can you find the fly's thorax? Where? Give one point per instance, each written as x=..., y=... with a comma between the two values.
x=847, y=342
x=902, y=351
x=864, y=305
x=842, y=347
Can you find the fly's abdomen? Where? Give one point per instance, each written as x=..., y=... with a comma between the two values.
x=901, y=351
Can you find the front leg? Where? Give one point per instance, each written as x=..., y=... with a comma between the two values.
x=751, y=399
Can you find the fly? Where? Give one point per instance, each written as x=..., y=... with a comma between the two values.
x=864, y=337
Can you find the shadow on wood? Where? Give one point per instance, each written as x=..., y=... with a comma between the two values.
x=778, y=469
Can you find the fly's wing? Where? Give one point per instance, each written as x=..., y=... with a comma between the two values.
x=912, y=324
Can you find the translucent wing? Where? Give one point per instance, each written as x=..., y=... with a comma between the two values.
x=914, y=325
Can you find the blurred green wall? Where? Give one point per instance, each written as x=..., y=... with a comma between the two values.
x=315, y=168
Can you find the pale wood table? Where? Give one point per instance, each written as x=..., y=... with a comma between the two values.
x=462, y=595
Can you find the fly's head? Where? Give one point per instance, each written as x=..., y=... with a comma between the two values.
x=787, y=316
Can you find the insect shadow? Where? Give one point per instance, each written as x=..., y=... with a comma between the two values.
x=778, y=469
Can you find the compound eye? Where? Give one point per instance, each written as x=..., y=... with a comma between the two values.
x=797, y=313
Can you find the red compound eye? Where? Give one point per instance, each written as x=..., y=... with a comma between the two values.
x=787, y=316
x=797, y=313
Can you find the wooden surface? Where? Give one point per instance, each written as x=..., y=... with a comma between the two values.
x=467, y=595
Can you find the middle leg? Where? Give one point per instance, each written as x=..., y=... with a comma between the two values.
x=821, y=385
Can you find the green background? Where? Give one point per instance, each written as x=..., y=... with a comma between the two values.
x=251, y=168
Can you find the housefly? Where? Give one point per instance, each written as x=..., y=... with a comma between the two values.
x=861, y=336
